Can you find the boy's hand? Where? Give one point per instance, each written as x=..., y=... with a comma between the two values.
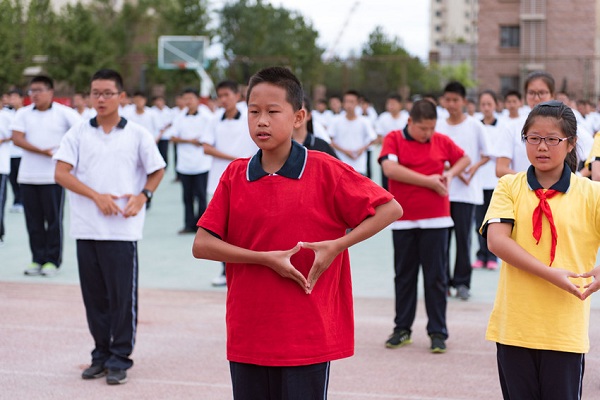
x=591, y=287
x=106, y=204
x=325, y=253
x=280, y=262
x=438, y=184
x=134, y=204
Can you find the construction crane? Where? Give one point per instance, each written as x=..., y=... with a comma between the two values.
x=330, y=53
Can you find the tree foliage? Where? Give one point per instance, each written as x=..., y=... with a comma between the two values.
x=255, y=34
x=12, y=56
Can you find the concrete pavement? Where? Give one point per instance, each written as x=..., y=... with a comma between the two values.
x=180, y=352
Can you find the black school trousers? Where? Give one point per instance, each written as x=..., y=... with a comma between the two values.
x=462, y=215
x=257, y=382
x=43, y=206
x=539, y=374
x=426, y=248
x=194, y=198
x=108, y=273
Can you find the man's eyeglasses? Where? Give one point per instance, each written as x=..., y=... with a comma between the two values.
x=36, y=91
x=549, y=140
x=106, y=95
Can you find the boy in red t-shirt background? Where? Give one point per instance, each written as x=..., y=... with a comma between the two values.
x=414, y=161
x=279, y=221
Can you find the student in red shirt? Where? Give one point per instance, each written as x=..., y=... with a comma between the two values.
x=279, y=221
x=413, y=160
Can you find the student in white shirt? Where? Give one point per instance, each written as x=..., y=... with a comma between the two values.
x=164, y=116
x=15, y=102
x=5, y=141
x=321, y=114
x=143, y=115
x=111, y=167
x=465, y=189
x=227, y=139
x=351, y=134
x=80, y=105
x=193, y=164
x=393, y=119
x=38, y=129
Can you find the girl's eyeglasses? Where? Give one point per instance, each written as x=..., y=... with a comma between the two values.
x=549, y=140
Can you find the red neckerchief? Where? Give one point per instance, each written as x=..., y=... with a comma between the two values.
x=544, y=208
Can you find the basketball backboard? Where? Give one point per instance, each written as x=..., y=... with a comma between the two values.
x=181, y=52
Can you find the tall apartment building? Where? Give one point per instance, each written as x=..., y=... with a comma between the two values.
x=452, y=31
x=558, y=36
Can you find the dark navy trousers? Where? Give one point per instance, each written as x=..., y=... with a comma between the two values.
x=108, y=272
x=426, y=248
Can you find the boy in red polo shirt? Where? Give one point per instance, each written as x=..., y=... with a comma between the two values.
x=413, y=160
x=279, y=220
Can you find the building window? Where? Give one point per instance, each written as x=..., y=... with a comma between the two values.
x=509, y=82
x=438, y=14
x=510, y=36
x=438, y=28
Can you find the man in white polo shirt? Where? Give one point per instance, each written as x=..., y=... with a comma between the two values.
x=111, y=167
x=192, y=166
x=38, y=129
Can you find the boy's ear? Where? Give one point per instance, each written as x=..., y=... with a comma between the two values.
x=299, y=117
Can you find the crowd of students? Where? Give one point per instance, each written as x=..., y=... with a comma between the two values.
x=441, y=160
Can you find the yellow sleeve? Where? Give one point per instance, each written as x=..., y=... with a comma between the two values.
x=502, y=207
x=595, y=153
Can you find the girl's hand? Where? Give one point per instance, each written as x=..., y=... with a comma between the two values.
x=561, y=278
x=280, y=262
x=325, y=252
x=591, y=287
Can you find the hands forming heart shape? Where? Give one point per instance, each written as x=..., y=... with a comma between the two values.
x=280, y=262
x=565, y=280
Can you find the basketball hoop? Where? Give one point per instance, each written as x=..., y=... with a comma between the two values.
x=182, y=65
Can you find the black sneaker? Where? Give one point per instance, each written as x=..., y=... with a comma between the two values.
x=398, y=339
x=116, y=376
x=438, y=343
x=94, y=371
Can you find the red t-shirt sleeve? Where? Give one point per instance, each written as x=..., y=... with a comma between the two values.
x=453, y=152
x=389, y=146
x=356, y=197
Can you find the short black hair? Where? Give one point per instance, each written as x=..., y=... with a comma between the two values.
x=228, y=84
x=395, y=96
x=456, y=87
x=423, y=109
x=192, y=91
x=16, y=91
x=46, y=80
x=515, y=93
x=140, y=94
x=352, y=93
x=280, y=77
x=106, y=74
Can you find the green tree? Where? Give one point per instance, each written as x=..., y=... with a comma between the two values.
x=12, y=57
x=39, y=27
x=386, y=67
x=81, y=46
x=256, y=34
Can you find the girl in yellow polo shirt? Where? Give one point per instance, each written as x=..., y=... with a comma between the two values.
x=544, y=223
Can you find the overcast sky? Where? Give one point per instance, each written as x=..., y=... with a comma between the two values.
x=406, y=19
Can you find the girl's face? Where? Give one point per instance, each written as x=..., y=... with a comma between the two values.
x=487, y=105
x=545, y=158
x=537, y=92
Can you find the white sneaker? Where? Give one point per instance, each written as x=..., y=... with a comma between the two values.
x=33, y=269
x=219, y=281
x=49, y=269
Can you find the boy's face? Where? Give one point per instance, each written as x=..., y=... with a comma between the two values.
x=393, y=106
x=349, y=103
x=422, y=130
x=105, y=97
x=15, y=100
x=78, y=101
x=191, y=101
x=454, y=103
x=159, y=102
x=321, y=107
x=139, y=101
x=41, y=95
x=228, y=98
x=271, y=118
x=512, y=103
x=335, y=104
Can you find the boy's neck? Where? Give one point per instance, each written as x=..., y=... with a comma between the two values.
x=513, y=114
x=350, y=116
x=108, y=122
x=231, y=113
x=273, y=160
x=455, y=119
